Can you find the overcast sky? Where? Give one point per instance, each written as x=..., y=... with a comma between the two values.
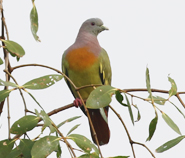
x=141, y=33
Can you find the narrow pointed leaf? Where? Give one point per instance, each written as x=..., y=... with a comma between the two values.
x=178, y=109
x=59, y=151
x=4, y=83
x=14, y=48
x=43, y=82
x=1, y=61
x=129, y=109
x=102, y=112
x=170, y=122
x=47, y=122
x=169, y=144
x=68, y=120
x=24, y=124
x=4, y=94
x=72, y=129
x=148, y=82
x=44, y=146
x=82, y=142
x=138, y=113
x=100, y=97
x=34, y=22
x=22, y=150
x=152, y=128
x=173, y=90
x=6, y=147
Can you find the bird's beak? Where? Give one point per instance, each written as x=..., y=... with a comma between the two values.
x=104, y=28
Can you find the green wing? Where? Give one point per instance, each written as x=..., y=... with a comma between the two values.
x=105, y=68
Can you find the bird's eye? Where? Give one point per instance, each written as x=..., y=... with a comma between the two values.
x=92, y=23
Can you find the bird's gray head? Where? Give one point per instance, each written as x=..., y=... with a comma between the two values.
x=93, y=26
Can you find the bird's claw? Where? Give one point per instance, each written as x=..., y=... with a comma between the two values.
x=77, y=103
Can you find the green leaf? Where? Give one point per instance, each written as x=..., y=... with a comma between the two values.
x=100, y=97
x=169, y=144
x=152, y=128
x=14, y=48
x=138, y=113
x=59, y=151
x=3, y=83
x=47, y=121
x=43, y=82
x=82, y=142
x=68, y=120
x=148, y=82
x=170, y=122
x=24, y=124
x=178, y=109
x=173, y=90
x=4, y=94
x=129, y=109
x=102, y=112
x=72, y=129
x=159, y=100
x=34, y=22
x=6, y=147
x=24, y=149
x=45, y=146
x=92, y=155
x=1, y=61
x=15, y=153
x=119, y=98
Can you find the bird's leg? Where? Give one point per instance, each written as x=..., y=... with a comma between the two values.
x=77, y=102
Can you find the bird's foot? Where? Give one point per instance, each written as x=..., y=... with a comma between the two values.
x=77, y=102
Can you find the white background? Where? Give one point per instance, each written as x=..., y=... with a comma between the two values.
x=142, y=33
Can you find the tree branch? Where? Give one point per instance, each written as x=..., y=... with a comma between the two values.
x=129, y=137
x=154, y=90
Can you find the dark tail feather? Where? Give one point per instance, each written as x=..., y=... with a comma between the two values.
x=101, y=127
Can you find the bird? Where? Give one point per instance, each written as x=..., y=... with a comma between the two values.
x=85, y=62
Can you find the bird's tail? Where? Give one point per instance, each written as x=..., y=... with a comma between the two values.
x=100, y=125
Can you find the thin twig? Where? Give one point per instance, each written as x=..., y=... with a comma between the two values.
x=24, y=102
x=65, y=140
x=8, y=111
x=91, y=85
x=7, y=35
x=60, y=109
x=145, y=147
x=129, y=137
x=177, y=95
x=153, y=90
x=137, y=97
x=144, y=89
